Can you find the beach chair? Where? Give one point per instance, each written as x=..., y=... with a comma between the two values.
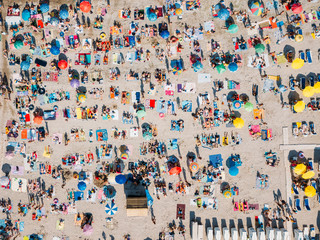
x=302, y=55
x=309, y=57
x=297, y=204
x=307, y=204
x=295, y=189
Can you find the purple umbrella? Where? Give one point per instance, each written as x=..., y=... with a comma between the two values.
x=87, y=229
x=74, y=83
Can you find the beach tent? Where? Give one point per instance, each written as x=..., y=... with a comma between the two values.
x=26, y=15
x=62, y=64
x=238, y=122
x=233, y=67
x=259, y=48
x=85, y=6
x=111, y=208
x=82, y=186
x=217, y=233
x=308, y=91
x=223, y=14
x=257, y=8
x=64, y=14
x=44, y=7
x=18, y=44
x=297, y=63
x=137, y=206
x=75, y=83
x=233, y=28
x=221, y=68
x=299, y=106
x=310, y=191
x=164, y=34
x=25, y=65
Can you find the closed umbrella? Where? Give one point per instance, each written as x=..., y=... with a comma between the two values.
x=299, y=106
x=317, y=87
x=221, y=68
x=64, y=14
x=85, y=6
x=300, y=169
x=55, y=50
x=111, y=208
x=248, y=106
x=164, y=34
x=259, y=48
x=4, y=181
x=175, y=171
x=197, y=66
x=297, y=63
x=233, y=67
x=25, y=65
x=308, y=91
x=82, y=186
x=121, y=179
x=297, y=8
x=257, y=8
x=152, y=16
x=26, y=15
x=75, y=83
x=109, y=192
x=310, y=191
x=234, y=171
x=233, y=28
x=62, y=64
x=308, y=175
x=238, y=123
x=44, y=7
x=87, y=229
x=223, y=14
x=18, y=44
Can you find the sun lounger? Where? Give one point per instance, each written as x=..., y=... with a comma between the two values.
x=297, y=204
x=307, y=204
x=309, y=56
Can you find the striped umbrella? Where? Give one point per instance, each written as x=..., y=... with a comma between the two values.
x=236, y=104
x=257, y=8
x=176, y=71
x=111, y=208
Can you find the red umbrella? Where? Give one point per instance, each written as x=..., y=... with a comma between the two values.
x=175, y=171
x=296, y=8
x=62, y=64
x=85, y=6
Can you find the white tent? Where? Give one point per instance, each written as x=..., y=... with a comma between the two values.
x=243, y=234
x=226, y=233
x=285, y=234
x=234, y=234
x=278, y=235
x=194, y=230
x=306, y=231
x=217, y=233
x=270, y=233
x=298, y=235
x=200, y=232
x=261, y=234
x=252, y=234
x=209, y=233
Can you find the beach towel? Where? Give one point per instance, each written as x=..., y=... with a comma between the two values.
x=19, y=185
x=204, y=77
x=216, y=160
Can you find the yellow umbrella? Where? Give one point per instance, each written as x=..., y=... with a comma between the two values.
x=317, y=87
x=308, y=175
x=238, y=122
x=25, y=238
x=178, y=11
x=299, y=106
x=81, y=98
x=299, y=38
x=300, y=169
x=308, y=91
x=124, y=156
x=297, y=63
x=227, y=194
x=310, y=191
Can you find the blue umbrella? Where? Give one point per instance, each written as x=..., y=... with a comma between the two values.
x=121, y=179
x=109, y=191
x=197, y=66
x=164, y=34
x=44, y=7
x=55, y=50
x=26, y=15
x=64, y=14
x=25, y=65
x=74, y=83
x=223, y=14
x=111, y=208
x=82, y=186
x=236, y=104
x=233, y=67
x=233, y=171
x=54, y=21
x=152, y=16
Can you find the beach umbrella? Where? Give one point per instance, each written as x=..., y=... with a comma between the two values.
x=257, y=8
x=197, y=66
x=147, y=135
x=74, y=83
x=54, y=21
x=223, y=14
x=175, y=171
x=308, y=91
x=238, y=122
x=227, y=193
x=38, y=120
x=25, y=65
x=298, y=38
x=87, y=229
x=82, y=186
x=4, y=181
x=259, y=48
x=300, y=169
x=299, y=106
x=85, y=6
x=248, y=106
x=236, y=104
x=234, y=171
x=112, y=178
x=297, y=63
x=62, y=64
x=44, y=7
x=297, y=8
x=26, y=15
x=194, y=167
x=164, y=34
x=176, y=71
x=64, y=14
x=25, y=238
x=317, y=87
x=141, y=113
x=233, y=28
x=124, y=156
x=55, y=50
x=82, y=98
x=310, y=191
x=152, y=16
x=178, y=11
x=221, y=68
x=233, y=67
x=111, y=208
x=18, y=44
x=109, y=192
x=6, y=168
x=308, y=175
x=121, y=179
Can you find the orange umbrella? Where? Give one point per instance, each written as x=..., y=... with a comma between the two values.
x=194, y=167
x=175, y=171
x=38, y=120
x=85, y=6
x=62, y=64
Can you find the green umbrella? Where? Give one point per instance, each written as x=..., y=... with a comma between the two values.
x=221, y=68
x=260, y=48
x=18, y=44
x=141, y=113
x=233, y=28
x=147, y=135
x=248, y=106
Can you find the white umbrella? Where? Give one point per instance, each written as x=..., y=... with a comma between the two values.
x=4, y=181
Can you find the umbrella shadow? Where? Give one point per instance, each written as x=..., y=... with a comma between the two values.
x=287, y=49
x=293, y=96
x=62, y=56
